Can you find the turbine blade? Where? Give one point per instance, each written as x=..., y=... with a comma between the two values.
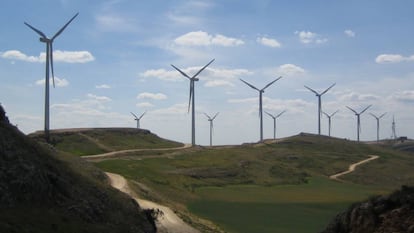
x=250, y=85
x=334, y=112
x=269, y=114
x=191, y=95
x=182, y=72
x=382, y=115
x=203, y=69
x=268, y=85
x=63, y=28
x=280, y=113
x=326, y=114
x=142, y=115
x=310, y=89
x=214, y=117
x=352, y=110
x=134, y=115
x=36, y=30
x=50, y=45
x=365, y=109
x=328, y=89
x=207, y=115
x=373, y=115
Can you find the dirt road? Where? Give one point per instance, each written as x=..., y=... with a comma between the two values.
x=167, y=222
x=352, y=167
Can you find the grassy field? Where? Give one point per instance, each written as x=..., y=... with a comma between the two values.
x=101, y=140
x=273, y=187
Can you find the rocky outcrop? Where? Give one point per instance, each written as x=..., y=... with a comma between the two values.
x=393, y=213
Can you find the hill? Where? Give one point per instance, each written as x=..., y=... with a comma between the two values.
x=276, y=186
x=91, y=141
x=45, y=191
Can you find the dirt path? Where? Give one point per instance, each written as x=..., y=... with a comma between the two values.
x=352, y=167
x=116, y=153
x=167, y=222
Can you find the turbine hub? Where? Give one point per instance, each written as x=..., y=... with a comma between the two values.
x=44, y=40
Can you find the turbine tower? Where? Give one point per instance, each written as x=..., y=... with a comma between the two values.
x=329, y=120
x=274, y=121
x=138, y=118
x=49, y=66
x=191, y=98
x=319, y=95
x=358, y=119
x=211, y=119
x=378, y=123
x=393, y=128
x=261, y=91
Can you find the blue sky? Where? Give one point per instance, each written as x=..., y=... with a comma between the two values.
x=115, y=57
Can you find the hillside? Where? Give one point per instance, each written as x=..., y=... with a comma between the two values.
x=44, y=191
x=383, y=214
x=91, y=141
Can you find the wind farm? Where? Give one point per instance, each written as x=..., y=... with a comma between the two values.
x=121, y=118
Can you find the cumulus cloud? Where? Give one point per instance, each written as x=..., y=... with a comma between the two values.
x=58, y=82
x=115, y=23
x=268, y=42
x=404, y=96
x=349, y=33
x=102, y=86
x=144, y=105
x=58, y=56
x=98, y=98
x=357, y=97
x=290, y=70
x=154, y=96
x=168, y=75
x=217, y=83
x=307, y=37
x=392, y=58
x=201, y=38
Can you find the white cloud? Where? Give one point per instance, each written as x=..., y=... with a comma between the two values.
x=392, y=58
x=307, y=37
x=103, y=86
x=98, y=98
x=201, y=38
x=349, y=33
x=404, y=96
x=115, y=23
x=144, y=105
x=290, y=70
x=58, y=82
x=357, y=97
x=154, y=96
x=170, y=75
x=58, y=56
x=217, y=83
x=174, y=109
x=268, y=42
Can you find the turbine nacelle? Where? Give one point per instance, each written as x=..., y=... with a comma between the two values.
x=44, y=40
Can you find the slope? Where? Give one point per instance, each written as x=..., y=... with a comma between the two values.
x=45, y=191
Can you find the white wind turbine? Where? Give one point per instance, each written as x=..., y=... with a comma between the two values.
x=358, y=119
x=261, y=91
x=211, y=119
x=49, y=65
x=138, y=118
x=274, y=121
x=378, y=122
x=329, y=120
x=319, y=95
x=191, y=98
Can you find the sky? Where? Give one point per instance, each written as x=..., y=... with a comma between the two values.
x=116, y=55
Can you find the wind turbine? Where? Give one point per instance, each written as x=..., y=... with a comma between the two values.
x=211, y=119
x=358, y=119
x=191, y=98
x=274, y=121
x=138, y=118
x=378, y=124
x=261, y=91
x=329, y=119
x=319, y=95
x=49, y=63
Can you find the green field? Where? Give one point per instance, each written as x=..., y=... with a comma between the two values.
x=273, y=187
